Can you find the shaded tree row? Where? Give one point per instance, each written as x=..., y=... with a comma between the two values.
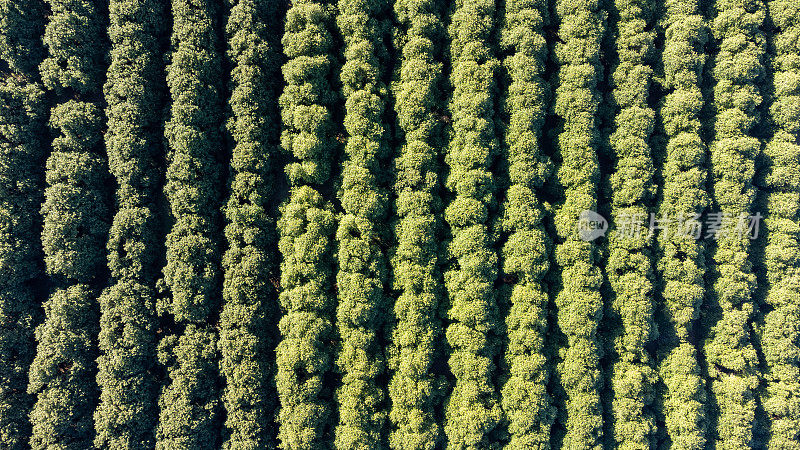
x=190, y=404
x=23, y=144
x=128, y=409
x=76, y=216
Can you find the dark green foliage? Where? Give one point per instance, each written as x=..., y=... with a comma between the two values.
x=247, y=335
x=780, y=334
x=681, y=260
x=629, y=263
x=76, y=221
x=473, y=409
x=414, y=389
x=23, y=109
x=63, y=373
x=525, y=255
x=190, y=403
x=363, y=233
x=22, y=133
x=307, y=226
x=76, y=47
x=730, y=355
x=127, y=414
x=359, y=226
x=76, y=216
x=21, y=27
x=578, y=301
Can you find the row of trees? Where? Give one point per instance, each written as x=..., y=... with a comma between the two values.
x=419, y=281
x=629, y=265
x=363, y=233
x=416, y=385
x=780, y=337
x=681, y=262
x=473, y=410
x=306, y=352
x=525, y=255
x=76, y=213
x=128, y=409
x=190, y=404
x=578, y=276
x=731, y=359
x=248, y=331
x=23, y=112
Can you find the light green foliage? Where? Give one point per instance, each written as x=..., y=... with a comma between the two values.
x=473, y=408
x=525, y=253
x=190, y=403
x=308, y=94
x=305, y=354
x=249, y=313
x=415, y=390
x=629, y=264
x=781, y=331
x=731, y=358
x=21, y=27
x=578, y=300
x=307, y=226
x=363, y=232
x=76, y=214
x=22, y=132
x=681, y=261
x=127, y=414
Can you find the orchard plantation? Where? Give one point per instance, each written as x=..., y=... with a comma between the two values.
x=419, y=224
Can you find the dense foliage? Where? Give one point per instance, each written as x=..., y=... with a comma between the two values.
x=247, y=321
x=362, y=233
x=781, y=334
x=629, y=264
x=415, y=224
x=525, y=255
x=681, y=261
x=473, y=408
x=76, y=217
x=578, y=302
x=22, y=150
x=190, y=404
x=731, y=357
x=128, y=409
x=307, y=225
x=415, y=386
